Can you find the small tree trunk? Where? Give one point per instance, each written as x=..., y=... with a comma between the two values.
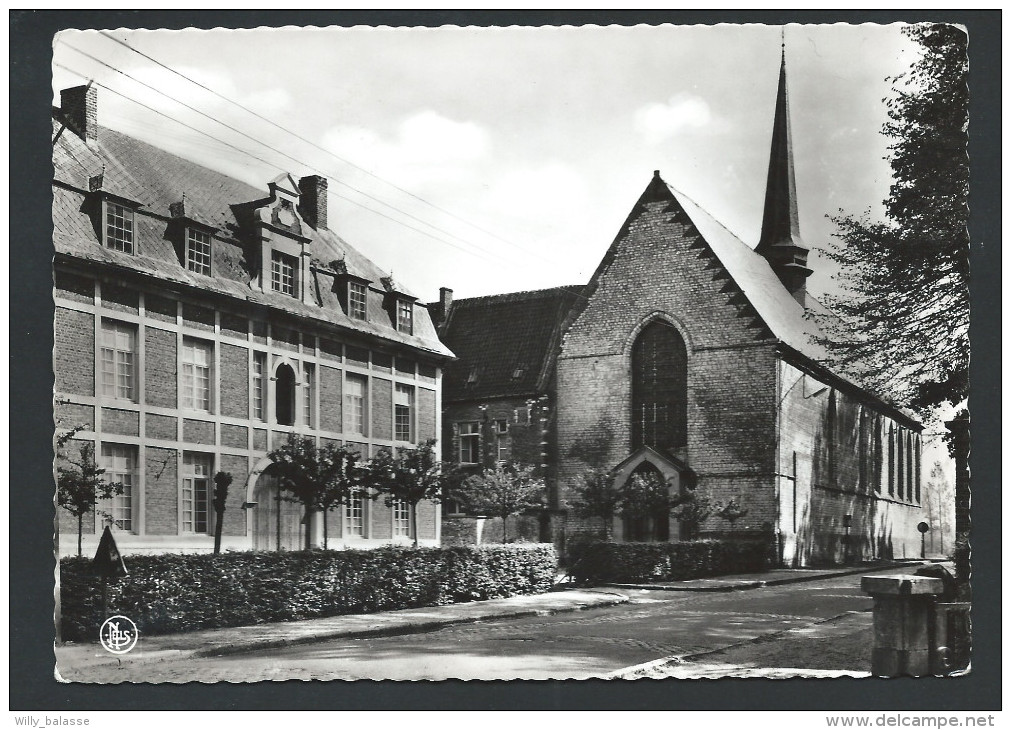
x=308, y=527
x=324, y=513
x=80, y=531
x=414, y=522
x=219, y=522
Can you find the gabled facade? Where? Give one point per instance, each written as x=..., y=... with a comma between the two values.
x=200, y=321
x=691, y=355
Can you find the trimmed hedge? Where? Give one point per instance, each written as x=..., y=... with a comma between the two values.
x=645, y=562
x=170, y=593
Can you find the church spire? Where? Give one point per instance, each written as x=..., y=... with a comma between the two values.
x=780, y=242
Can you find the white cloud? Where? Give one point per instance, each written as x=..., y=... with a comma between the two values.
x=657, y=122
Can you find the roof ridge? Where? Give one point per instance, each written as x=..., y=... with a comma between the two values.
x=519, y=295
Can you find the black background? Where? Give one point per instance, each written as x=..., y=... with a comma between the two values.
x=32, y=684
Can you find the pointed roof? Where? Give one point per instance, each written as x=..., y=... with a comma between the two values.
x=780, y=220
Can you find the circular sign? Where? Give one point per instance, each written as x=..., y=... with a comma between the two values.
x=923, y=527
x=118, y=634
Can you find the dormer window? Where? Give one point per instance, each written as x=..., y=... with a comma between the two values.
x=118, y=227
x=356, y=300
x=282, y=273
x=405, y=316
x=198, y=251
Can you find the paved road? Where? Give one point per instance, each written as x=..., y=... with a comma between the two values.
x=654, y=624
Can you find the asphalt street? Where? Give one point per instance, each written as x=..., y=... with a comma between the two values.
x=583, y=644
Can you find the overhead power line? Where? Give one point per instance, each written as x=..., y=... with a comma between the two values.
x=247, y=153
x=346, y=161
x=274, y=149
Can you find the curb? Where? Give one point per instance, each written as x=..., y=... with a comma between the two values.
x=612, y=599
x=752, y=584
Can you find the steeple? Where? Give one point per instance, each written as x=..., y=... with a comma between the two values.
x=780, y=242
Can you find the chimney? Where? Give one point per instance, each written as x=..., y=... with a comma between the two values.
x=79, y=106
x=445, y=300
x=312, y=202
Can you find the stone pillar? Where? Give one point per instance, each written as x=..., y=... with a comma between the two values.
x=902, y=616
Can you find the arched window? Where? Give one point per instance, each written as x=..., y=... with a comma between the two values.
x=649, y=520
x=659, y=388
x=285, y=396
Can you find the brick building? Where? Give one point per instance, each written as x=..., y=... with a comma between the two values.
x=689, y=354
x=199, y=321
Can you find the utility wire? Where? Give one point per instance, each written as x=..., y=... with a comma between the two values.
x=247, y=153
x=123, y=43
x=274, y=149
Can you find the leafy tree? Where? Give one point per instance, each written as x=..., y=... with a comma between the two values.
x=731, y=512
x=222, y=480
x=502, y=491
x=320, y=479
x=411, y=476
x=904, y=307
x=597, y=497
x=692, y=510
x=80, y=483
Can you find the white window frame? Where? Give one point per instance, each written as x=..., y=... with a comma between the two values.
x=192, y=373
x=405, y=316
x=401, y=515
x=119, y=227
x=502, y=440
x=259, y=395
x=358, y=300
x=120, y=464
x=473, y=435
x=356, y=407
x=118, y=358
x=280, y=263
x=196, y=478
x=355, y=517
x=403, y=397
x=308, y=390
x=198, y=260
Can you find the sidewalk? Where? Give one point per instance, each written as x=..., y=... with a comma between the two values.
x=775, y=577
x=216, y=642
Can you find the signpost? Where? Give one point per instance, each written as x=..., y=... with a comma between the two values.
x=924, y=528
x=108, y=563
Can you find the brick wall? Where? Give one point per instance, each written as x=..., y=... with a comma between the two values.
x=161, y=491
x=160, y=367
x=74, y=351
x=330, y=388
x=115, y=420
x=659, y=267
x=381, y=405
x=234, y=381
x=235, y=516
x=160, y=427
x=426, y=414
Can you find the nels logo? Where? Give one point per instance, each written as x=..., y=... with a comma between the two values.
x=118, y=634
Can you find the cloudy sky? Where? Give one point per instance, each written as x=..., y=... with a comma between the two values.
x=496, y=160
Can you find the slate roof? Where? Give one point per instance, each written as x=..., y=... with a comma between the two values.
x=157, y=179
x=506, y=344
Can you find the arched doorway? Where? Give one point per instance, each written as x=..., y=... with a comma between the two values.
x=277, y=524
x=284, y=404
x=650, y=523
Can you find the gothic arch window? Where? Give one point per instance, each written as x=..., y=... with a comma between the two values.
x=285, y=396
x=659, y=388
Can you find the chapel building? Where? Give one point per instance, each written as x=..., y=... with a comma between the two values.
x=694, y=357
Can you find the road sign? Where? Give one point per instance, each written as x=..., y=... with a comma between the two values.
x=108, y=563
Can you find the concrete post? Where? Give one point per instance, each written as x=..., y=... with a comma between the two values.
x=902, y=615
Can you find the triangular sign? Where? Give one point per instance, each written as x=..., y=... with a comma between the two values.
x=108, y=563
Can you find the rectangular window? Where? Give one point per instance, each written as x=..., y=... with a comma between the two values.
x=405, y=316
x=282, y=273
x=501, y=440
x=120, y=464
x=401, y=519
x=198, y=251
x=308, y=378
x=259, y=384
x=196, y=491
x=891, y=462
x=470, y=443
x=404, y=413
x=356, y=300
x=119, y=347
x=354, y=516
x=118, y=227
x=900, y=463
x=196, y=371
x=354, y=404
